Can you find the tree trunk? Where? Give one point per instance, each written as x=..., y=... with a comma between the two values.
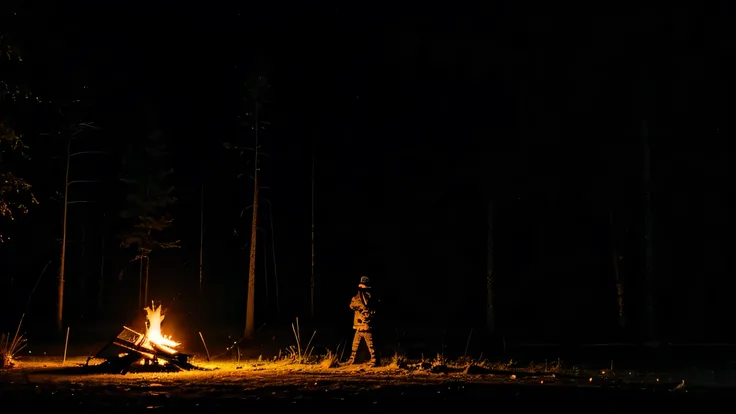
x=266, y=295
x=617, y=273
x=101, y=280
x=250, y=305
x=273, y=256
x=140, y=284
x=83, y=268
x=649, y=253
x=250, y=317
x=201, y=238
x=145, y=291
x=62, y=268
x=311, y=279
x=145, y=276
x=490, y=311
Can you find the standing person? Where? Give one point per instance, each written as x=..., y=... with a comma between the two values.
x=363, y=306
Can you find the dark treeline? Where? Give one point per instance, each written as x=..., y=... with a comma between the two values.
x=417, y=126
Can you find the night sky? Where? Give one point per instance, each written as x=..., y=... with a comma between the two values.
x=417, y=120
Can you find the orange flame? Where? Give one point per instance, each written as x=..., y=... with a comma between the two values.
x=153, y=331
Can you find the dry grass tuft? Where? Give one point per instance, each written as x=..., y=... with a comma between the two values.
x=10, y=347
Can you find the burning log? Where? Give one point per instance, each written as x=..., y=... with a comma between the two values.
x=153, y=347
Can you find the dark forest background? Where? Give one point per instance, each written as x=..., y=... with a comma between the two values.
x=417, y=123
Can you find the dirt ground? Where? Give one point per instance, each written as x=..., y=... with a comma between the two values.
x=46, y=383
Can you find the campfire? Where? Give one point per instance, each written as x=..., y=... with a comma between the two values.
x=152, y=348
x=154, y=339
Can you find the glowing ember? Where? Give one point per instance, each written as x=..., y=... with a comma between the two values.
x=154, y=336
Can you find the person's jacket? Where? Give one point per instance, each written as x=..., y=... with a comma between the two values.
x=362, y=306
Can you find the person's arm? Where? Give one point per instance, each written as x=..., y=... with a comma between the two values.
x=356, y=304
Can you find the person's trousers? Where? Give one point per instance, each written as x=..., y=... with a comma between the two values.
x=368, y=337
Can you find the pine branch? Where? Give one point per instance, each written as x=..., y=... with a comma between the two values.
x=15, y=192
x=149, y=196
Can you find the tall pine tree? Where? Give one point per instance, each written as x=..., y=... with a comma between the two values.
x=148, y=199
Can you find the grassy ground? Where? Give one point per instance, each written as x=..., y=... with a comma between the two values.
x=43, y=382
x=276, y=370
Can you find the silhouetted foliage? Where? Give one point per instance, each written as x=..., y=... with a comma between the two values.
x=15, y=191
x=148, y=199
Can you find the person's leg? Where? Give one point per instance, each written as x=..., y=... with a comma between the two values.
x=368, y=335
x=356, y=345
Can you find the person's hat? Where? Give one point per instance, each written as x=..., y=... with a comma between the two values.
x=365, y=280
